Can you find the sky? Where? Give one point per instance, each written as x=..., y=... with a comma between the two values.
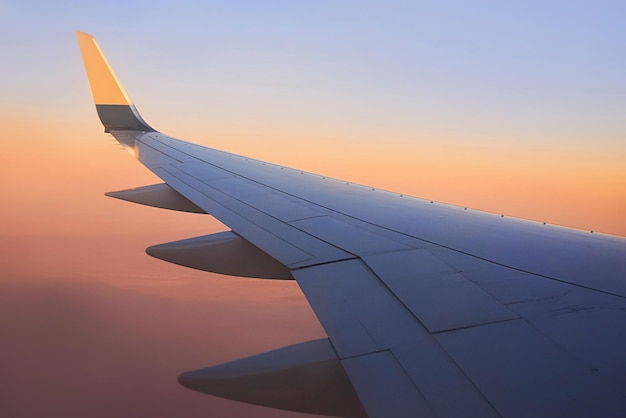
x=510, y=107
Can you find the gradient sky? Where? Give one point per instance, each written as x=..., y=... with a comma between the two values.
x=516, y=108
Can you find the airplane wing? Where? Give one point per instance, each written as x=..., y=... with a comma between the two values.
x=430, y=309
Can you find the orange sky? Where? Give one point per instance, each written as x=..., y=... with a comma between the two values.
x=55, y=171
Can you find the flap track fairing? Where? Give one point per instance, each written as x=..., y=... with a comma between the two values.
x=306, y=377
x=223, y=253
x=159, y=196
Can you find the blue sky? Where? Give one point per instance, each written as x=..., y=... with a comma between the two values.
x=484, y=68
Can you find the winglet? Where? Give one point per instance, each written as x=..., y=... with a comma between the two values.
x=115, y=109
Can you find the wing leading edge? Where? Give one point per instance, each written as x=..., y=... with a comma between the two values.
x=430, y=310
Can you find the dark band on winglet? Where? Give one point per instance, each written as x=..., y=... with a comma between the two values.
x=121, y=118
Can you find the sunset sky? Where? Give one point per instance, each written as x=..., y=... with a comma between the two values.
x=515, y=109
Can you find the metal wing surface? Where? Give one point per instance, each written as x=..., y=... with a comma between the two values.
x=430, y=309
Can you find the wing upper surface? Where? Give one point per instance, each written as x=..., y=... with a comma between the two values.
x=321, y=206
x=396, y=305
x=433, y=310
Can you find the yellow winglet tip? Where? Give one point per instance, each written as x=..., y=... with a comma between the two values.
x=105, y=87
x=80, y=34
